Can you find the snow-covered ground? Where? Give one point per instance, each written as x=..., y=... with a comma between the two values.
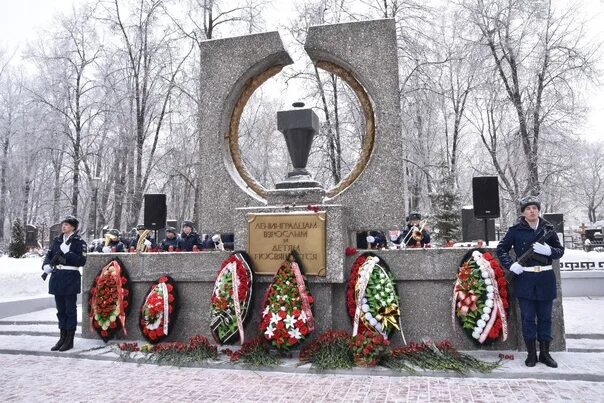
x=20, y=279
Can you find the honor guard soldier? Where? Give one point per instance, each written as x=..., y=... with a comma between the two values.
x=65, y=256
x=534, y=280
x=189, y=238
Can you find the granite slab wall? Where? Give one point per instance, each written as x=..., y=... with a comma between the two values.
x=227, y=66
x=368, y=51
x=424, y=280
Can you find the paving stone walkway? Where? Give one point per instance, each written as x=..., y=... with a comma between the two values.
x=50, y=379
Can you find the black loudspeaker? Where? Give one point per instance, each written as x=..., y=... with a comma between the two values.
x=485, y=194
x=557, y=220
x=472, y=229
x=155, y=211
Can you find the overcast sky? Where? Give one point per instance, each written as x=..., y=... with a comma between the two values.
x=19, y=20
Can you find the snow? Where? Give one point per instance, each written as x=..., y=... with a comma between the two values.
x=583, y=315
x=577, y=255
x=20, y=278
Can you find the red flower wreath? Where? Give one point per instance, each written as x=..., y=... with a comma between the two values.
x=108, y=303
x=158, y=312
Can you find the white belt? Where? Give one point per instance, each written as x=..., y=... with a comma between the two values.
x=61, y=267
x=537, y=269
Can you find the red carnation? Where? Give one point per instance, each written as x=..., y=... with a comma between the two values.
x=112, y=325
x=282, y=314
x=104, y=333
x=293, y=340
x=350, y=251
x=163, y=279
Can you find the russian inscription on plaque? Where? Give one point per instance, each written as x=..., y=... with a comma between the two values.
x=271, y=237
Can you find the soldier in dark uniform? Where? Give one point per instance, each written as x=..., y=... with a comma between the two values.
x=148, y=243
x=412, y=237
x=170, y=240
x=112, y=243
x=534, y=284
x=66, y=255
x=189, y=237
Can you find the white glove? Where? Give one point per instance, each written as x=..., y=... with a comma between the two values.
x=216, y=238
x=516, y=268
x=64, y=248
x=542, y=249
x=370, y=239
x=47, y=269
x=106, y=249
x=147, y=243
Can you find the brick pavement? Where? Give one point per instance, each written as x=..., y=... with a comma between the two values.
x=34, y=379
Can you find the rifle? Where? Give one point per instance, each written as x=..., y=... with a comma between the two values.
x=530, y=253
x=58, y=259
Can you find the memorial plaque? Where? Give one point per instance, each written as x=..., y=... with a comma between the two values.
x=271, y=237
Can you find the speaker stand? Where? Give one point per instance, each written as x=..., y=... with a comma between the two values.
x=486, y=231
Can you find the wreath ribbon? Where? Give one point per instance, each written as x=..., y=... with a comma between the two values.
x=164, y=290
x=361, y=286
x=310, y=321
x=232, y=267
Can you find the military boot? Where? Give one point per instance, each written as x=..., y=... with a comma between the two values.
x=531, y=349
x=68, y=344
x=544, y=356
x=60, y=342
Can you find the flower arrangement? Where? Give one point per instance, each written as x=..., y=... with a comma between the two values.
x=435, y=356
x=253, y=353
x=330, y=350
x=158, y=312
x=197, y=349
x=368, y=348
x=287, y=317
x=371, y=298
x=480, y=297
x=108, y=303
x=231, y=298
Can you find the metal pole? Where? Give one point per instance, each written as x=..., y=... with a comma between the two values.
x=486, y=231
x=96, y=198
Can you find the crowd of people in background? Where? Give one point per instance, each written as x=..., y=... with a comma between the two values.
x=414, y=235
x=141, y=239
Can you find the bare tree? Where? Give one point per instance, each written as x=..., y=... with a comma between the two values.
x=72, y=53
x=539, y=54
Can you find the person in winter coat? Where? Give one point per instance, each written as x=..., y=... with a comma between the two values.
x=171, y=239
x=112, y=243
x=535, y=282
x=189, y=237
x=147, y=244
x=412, y=237
x=65, y=256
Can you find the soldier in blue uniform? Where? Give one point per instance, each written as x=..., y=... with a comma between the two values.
x=534, y=283
x=189, y=237
x=66, y=255
x=171, y=239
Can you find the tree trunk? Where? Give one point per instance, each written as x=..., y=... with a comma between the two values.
x=3, y=190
